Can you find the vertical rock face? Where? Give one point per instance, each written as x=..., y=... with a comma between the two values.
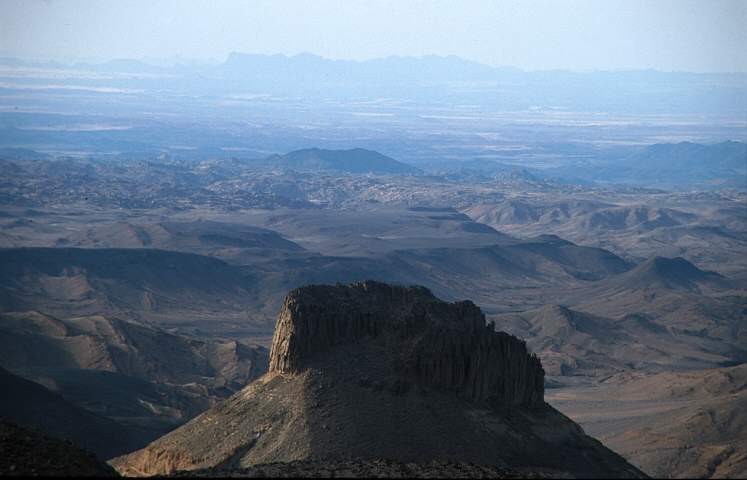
x=433, y=343
x=371, y=371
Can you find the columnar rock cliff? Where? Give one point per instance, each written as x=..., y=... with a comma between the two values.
x=434, y=343
x=371, y=371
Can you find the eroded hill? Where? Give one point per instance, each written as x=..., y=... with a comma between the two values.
x=144, y=380
x=373, y=371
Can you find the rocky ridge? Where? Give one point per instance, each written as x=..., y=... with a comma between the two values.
x=374, y=372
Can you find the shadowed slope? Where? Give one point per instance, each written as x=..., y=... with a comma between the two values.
x=27, y=452
x=30, y=404
x=673, y=273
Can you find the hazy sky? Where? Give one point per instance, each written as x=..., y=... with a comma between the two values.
x=693, y=35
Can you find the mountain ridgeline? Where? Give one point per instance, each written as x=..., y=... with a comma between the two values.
x=404, y=77
x=669, y=165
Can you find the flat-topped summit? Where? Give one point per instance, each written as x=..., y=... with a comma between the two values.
x=355, y=160
x=434, y=343
x=370, y=372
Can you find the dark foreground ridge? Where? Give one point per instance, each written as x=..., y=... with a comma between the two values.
x=366, y=469
x=371, y=373
x=28, y=452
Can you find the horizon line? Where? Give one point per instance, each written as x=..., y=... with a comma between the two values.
x=178, y=60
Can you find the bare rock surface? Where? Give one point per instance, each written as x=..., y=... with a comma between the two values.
x=445, y=345
x=136, y=374
x=335, y=391
x=671, y=425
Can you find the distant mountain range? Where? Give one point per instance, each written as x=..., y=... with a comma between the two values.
x=664, y=165
x=669, y=164
x=427, y=67
x=437, y=78
x=732, y=155
x=686, y=162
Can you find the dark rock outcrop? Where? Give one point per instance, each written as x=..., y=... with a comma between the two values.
x=371, y=372
x=436, y=344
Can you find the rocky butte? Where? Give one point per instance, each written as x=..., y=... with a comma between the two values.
x=371, y=371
